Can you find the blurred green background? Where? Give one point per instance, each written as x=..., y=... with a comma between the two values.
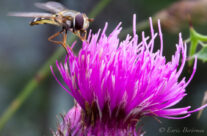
x=24, y=49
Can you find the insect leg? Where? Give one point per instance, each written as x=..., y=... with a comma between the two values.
x=81, y=34
x=65, y=39
x=53, y=36
x=63, y=43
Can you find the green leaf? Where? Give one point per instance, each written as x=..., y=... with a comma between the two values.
x=195, y=39
x=193, y=44
x=202, y=54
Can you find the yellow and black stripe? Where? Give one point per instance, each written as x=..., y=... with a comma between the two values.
x=38, y=20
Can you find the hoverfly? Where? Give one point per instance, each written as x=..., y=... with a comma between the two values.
x=71, y=20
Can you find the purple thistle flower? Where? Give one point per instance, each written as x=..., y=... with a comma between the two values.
x=116, y=83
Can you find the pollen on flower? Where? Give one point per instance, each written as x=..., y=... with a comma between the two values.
x=116, y=83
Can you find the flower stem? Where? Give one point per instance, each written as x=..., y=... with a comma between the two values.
x=98, y=8
x=42, y=74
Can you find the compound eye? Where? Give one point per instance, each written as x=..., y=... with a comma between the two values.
x=79, y=22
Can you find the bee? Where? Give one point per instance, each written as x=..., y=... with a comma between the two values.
x=71, y=20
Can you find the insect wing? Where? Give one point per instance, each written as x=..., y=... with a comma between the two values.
x=51, y=6
x=30, y=14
